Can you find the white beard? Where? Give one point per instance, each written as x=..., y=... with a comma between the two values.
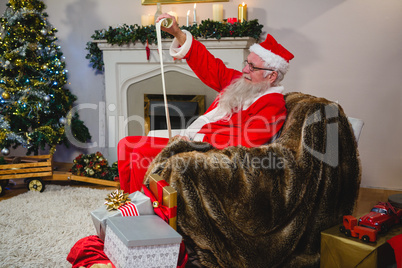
x=238, y=94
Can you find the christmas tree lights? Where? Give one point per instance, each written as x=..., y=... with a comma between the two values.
x=34, y=103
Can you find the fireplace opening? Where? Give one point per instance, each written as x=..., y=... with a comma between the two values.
x=183, y=110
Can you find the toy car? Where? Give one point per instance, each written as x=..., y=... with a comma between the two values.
x=350, y=228
x=381, y=217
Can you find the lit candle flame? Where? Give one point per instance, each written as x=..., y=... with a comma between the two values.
x=195, y=5
x=188, y=12
x=242, y=12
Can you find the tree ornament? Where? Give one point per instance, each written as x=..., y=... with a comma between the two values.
x=5, y=151
x=63, y=120
x=5, y=95
x=155, y=204
x=31, y=64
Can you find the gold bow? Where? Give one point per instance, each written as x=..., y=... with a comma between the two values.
x=116, y=199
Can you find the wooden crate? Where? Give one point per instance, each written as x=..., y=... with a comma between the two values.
x=41, y=166
x=26, y=167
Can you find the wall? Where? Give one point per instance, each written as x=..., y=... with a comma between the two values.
x=349, y=51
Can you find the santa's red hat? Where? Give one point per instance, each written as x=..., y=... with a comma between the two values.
x=273, y=53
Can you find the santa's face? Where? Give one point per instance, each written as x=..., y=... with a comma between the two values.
x=257, y=75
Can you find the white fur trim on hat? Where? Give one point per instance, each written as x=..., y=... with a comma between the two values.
x=273, y=60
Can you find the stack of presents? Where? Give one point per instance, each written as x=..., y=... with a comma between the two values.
x=139, y=230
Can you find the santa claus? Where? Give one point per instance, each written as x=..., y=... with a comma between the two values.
x=248, y=111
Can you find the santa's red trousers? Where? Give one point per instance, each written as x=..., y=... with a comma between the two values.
x=135, y=154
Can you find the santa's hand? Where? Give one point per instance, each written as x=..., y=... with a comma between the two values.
x=174, y=29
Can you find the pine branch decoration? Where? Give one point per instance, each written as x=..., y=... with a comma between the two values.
x=126, y=34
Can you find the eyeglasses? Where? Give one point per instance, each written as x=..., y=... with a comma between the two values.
x=253, y=68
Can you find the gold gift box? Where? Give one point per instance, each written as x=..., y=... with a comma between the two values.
x=338, y=250
x=169, y=198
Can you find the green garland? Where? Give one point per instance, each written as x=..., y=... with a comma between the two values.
x=134, y=33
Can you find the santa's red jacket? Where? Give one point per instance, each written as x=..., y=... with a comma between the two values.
x=255, y=125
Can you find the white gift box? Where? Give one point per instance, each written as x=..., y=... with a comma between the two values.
x=144, y=241
x=99, y=215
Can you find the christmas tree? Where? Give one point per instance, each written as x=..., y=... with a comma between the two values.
x=34, y=103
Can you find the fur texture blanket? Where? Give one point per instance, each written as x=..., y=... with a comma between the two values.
x=266, y=206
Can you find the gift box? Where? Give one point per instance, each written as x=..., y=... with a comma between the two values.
x=338, y=250
x=142, y=204
x=164, y=199
x=144, y=241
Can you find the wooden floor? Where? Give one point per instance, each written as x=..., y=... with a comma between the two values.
x=367, y=197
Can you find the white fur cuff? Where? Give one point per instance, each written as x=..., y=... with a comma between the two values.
x=179, y=52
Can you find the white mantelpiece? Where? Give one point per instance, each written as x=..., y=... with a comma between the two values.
x=128, y=64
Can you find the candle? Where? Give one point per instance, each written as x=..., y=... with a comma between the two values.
x=242, y=14
x=188, y=14
x=151, y=19
x=217, y=12
x=144, y=20
x=147, y=20
x=195, y=16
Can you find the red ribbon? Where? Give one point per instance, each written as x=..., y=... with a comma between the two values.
x=129, y=209
x=162, y=211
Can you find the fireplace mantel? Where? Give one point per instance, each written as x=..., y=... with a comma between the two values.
x=127, y=64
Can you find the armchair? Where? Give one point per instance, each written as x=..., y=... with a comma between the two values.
x=266, y=206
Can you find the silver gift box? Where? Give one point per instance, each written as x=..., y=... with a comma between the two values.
x=141, y=242
x=99, y=215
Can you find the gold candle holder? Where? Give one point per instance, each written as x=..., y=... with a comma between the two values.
x=242, y=12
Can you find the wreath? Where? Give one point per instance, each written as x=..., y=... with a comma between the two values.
x=95, y=166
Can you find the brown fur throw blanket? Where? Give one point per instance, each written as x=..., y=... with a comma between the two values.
x=266, y=206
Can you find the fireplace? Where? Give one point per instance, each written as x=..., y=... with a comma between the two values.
x=177, y=84
x=183, y=110
x=129, y=76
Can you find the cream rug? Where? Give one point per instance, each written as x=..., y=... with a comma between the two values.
x=39, y=229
